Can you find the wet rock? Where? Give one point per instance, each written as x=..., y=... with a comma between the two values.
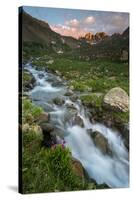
x=59, y=101
x=70, y=105
x=57, y=133
x=46, y=128
x=77, y=168
x=124, y=130
x=48, y=138
x=58, y=73
x=73, y=97
x=69, y=115
x=71, y=87
x=89, y=131
x=69, y=93
x=28, y=81
x=57, y=83
x=117, y=99
x=41, y=75
x=77, y=120
x=101, y=142
x=44, y=117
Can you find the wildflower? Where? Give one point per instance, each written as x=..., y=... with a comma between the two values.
x=53, y=146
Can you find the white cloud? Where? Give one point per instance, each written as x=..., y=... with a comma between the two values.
x=108, y=23
x=89, y=20
x=72, y=23
x=75, y=32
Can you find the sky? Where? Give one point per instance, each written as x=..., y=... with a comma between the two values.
x=76, y=23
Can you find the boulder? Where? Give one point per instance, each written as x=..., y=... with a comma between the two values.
x=71, y=107
x=77, y=120
x=101, y=142
x=44, y=117
x=116, y=99
x=46, y=128
x=59, y=101
x=71, y=87
x=69, y=93
x=73, y=97
x=48, y=138
x=28, y=81
x=77, y=168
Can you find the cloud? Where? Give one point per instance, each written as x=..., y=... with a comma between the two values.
x=112, y=22
x=89, y=20
x=72, y=23
x=106, y=22
x=75, y=32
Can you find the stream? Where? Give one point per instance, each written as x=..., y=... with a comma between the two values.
x=103, y=168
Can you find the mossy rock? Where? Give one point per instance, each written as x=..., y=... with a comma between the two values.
x=28, y=81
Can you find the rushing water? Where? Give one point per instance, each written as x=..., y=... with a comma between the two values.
x=110, y=169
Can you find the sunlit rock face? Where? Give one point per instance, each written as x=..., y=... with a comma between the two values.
x=99, y=36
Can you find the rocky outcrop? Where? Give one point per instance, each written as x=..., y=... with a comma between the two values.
x=90, y=37
x=117, y=99
x=99, y=36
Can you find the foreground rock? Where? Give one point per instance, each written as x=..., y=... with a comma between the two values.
x=77, y=168
x=44, y=117
x=59, y=101
x=46, y=128
x=117, y=99
x=48, y=138
x=77, y=120
x=101, y=142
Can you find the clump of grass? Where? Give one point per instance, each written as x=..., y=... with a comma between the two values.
x=93, y=100
x=26, y=77
x=49, y=170
x=79, y=85
x=122, y=117
x=30, y=112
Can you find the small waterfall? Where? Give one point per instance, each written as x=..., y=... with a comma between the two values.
x=110, y=169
